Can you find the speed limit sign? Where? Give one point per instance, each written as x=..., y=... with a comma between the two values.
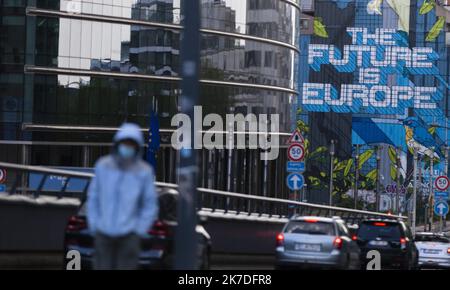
x=2, y=175
x=296, y=152
x=441, y=182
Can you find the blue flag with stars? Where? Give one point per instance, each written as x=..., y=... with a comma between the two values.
x=153, y=140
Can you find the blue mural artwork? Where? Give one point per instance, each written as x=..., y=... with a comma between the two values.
x=384, y=63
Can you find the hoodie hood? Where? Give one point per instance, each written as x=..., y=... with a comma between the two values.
x=129, y=131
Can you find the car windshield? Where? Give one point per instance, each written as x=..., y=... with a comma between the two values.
x=312, y=228
x=373, y=230
x=432, y=238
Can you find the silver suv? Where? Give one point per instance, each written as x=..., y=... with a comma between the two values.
x=316, y=241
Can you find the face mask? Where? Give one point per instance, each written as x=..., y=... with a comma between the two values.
x=126, y=151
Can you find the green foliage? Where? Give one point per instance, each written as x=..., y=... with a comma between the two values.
x=432, y=130
x=393, y=172
x=372, y=175
x=313, y=181
x=318, y=152
x=302, y=127
x=319, y=28
x=392, y=155
x=427, y=6
x=364, y=157
x=436, y=29
x=348, y=167
x=339, y=165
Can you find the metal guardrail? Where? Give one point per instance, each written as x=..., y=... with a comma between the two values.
x=232, y=204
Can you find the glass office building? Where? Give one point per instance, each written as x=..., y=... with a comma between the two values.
x=73, y=71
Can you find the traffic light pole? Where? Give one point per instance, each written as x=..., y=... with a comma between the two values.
x=414, y=197
x=185, y=237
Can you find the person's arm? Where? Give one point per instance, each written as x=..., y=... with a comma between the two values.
x=149, y=207
x=92, y=210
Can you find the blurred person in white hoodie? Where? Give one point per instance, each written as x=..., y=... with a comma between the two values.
x=122, y=202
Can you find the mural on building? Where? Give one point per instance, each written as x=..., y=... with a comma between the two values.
x=383, y=65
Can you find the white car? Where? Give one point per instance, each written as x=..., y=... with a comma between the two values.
x=434, y=250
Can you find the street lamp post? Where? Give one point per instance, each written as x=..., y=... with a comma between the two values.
x=355, y=191
x=185, y=236
x=332, y=152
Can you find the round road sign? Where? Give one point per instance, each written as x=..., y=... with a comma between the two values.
x=296, y=152
x=441, y=182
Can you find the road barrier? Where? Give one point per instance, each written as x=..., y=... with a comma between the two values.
x=40, y=180
x=40, y=199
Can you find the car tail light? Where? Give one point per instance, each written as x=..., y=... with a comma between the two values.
x=311, y=220
x=354, y=237
x=403, y=242
x=159, y=229
x=76, y=224
x=448, y=251
x=377, y=224
x=337, y=243
x=280, y=240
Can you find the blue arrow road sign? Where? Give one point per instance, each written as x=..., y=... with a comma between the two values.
x=441, y=208
x=441, y=195
x=293, y=166
x=295, y=181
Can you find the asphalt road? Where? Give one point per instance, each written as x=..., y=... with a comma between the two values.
x=53, y=261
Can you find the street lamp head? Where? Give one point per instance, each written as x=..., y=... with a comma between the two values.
x=332, y=147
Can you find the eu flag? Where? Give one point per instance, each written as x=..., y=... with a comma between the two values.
x=153, y=140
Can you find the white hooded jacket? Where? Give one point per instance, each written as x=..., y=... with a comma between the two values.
x=122, y=199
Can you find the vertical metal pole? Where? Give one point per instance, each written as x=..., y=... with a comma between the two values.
x=25, y=161
x=414, y=198
x=86, y=154
x=397, y=190
x=446, y=161
x=377, y=205
x=303, y=199
x=445, y=173
x=331, y=171
x=185, y=236
x=230, y=140
x=355, y=190
x=431, y=194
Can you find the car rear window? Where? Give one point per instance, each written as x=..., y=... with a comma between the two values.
x=311, y=228
x=373, y=230
x=431, y=238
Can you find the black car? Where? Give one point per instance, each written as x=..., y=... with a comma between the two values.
x=157, y=249
x=392, y=239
